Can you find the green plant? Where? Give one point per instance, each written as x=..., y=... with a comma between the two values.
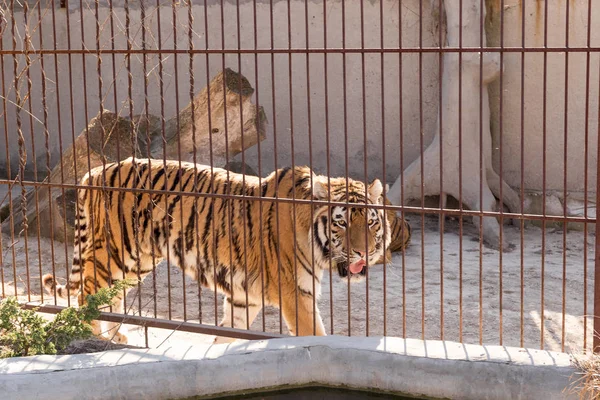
x=26, y=333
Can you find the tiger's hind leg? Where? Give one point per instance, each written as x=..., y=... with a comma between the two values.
x=115, y=331
x=96, y=277
x=243, y=316
x=89, y=286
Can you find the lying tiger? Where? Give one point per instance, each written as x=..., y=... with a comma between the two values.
x=195, y=232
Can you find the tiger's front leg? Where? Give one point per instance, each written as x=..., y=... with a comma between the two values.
x=243, y=316
x=306, y=315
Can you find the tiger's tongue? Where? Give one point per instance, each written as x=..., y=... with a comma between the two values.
x=357, y=267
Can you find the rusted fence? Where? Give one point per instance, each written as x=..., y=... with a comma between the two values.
x=481, y=117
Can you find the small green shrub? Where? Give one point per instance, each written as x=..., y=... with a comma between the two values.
x=26, y=333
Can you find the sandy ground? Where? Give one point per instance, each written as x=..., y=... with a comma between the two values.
x=425, y=296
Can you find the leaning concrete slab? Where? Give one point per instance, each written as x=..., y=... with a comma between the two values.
x=433, y=369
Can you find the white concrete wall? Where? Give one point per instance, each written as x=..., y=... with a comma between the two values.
x=574, y=126
x=280, y=117
x=423, y=369
x=176, y=84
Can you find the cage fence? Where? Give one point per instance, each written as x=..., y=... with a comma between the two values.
x=479, y=118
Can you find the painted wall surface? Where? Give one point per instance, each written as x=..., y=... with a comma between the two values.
x=344, y=111
x=558, y=91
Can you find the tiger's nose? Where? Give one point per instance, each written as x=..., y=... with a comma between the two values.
x=360, y=253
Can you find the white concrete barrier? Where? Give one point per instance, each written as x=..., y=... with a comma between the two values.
x=432, y=369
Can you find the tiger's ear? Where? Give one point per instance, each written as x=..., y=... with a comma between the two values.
x=319, y=188
x=376, y=191
x=387, y=188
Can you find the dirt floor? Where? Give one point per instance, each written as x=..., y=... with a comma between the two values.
x=455, y=298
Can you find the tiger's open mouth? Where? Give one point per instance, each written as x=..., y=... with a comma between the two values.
x=355, y=268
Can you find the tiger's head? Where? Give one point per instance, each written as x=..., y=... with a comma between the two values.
x=352, y=237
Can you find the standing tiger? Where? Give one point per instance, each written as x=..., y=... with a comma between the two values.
x=236, y=246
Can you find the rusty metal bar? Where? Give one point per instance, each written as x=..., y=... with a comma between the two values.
x=481, y=167
x=441, y=215
x=401, y=149
x=596, y=343
x=500, y=166
x=313, y=50
x=422, y=166
x=475, y=310
x=588, y=70
x=182, y=326
x=544, y=180
x=596, y=311
x=565, y=175
x=327, y=151
x=522, y=188
x=411, y=209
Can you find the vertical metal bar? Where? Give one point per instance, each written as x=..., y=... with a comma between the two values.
x=401, y=123
x=181, y=183
x=481, y=167
x=441, y=132
x=29, y=44
x=85, y=106
x=347, y=172
x=383, y=166
x=421, y=148
x=501, y=198
x=365, y=157
x=103, y=135
x=164, y=153
x=291, y=105
x=8, y=177
x=243, y=203
x=47, y=144
x=460, y=165
x=146, y=110
x=596, y=311
x=60, y=144
x=544, y=155
x=275, y=160
x=210, y=145
x=19, y=103
x=565, y=166
x=228, y=202
x=327, y=148
x=26, y=45
x=586, y=173
x=596, y=342
x=522, y=188
x=260, y=171
x=8, y=167
x=310, y=158
x=197, y=238
x=133, y=137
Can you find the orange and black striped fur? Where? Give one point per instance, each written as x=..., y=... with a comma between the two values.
x=400, y=233
x=233, y=245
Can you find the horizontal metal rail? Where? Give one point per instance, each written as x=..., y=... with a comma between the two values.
x=286, y=51
x=181, y=326
x=409, y=209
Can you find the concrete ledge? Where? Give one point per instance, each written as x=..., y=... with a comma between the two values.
x=422, y=368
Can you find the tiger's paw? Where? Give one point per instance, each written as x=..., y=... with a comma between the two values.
x=223, y=339
x=119, y=338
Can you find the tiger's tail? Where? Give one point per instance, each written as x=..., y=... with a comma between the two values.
x=63, y=291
